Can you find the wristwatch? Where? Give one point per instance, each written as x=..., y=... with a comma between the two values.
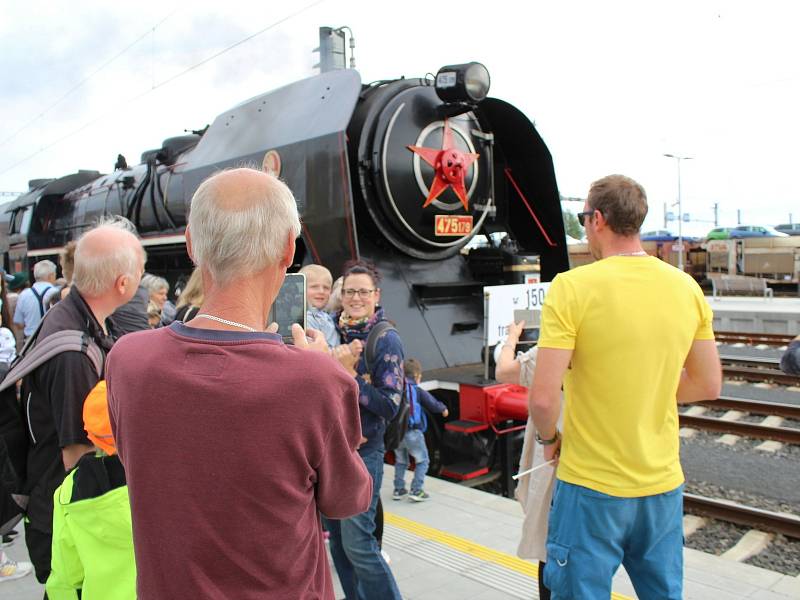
x=549, y=442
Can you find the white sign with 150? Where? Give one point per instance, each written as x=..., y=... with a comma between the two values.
x=502, y=300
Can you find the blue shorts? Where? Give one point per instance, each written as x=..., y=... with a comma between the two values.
x=590, y=534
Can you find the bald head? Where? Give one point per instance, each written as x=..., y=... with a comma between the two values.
x=240, y=222
x=237, y=190
x=103, y=254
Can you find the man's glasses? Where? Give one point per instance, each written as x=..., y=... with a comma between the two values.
x=349, y=293
x=582, y=216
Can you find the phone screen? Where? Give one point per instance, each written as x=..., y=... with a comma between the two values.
x=290, y=305
x=532, y=318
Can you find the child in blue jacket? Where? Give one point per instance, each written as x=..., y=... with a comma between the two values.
x=414, y=441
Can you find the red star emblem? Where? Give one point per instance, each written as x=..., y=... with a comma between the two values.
x=450, y=165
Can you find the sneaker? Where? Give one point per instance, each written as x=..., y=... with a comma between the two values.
x=10, y=569
x=418, y=496
x=399, y=494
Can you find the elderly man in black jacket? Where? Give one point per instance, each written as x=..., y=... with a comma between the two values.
x=109, y=261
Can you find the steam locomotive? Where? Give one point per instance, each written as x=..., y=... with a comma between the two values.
x=355, y=157
x=407, y=173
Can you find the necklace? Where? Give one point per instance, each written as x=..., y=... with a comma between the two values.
x=637, y=253
x=225, y=321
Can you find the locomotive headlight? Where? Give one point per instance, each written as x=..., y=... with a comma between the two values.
x=463, y=83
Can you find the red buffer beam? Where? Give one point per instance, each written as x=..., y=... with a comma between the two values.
x=509, y=403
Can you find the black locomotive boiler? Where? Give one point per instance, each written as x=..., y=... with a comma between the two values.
x=407, y=173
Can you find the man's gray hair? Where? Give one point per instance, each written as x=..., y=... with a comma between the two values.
x=95, y=273
x=154, y=283
x=43, y=269
x=231, y=242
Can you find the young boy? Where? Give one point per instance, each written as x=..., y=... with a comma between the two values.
x=414, y=441
x=92, y=538
x=319, y=282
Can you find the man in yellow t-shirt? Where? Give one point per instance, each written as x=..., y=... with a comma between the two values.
x=629, y=337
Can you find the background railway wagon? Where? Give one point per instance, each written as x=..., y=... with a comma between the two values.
x=775, y=259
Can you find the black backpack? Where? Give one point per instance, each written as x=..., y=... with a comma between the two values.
x=13, y=436
x=397, y=427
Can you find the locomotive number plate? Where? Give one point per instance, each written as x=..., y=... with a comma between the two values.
x=453, y=225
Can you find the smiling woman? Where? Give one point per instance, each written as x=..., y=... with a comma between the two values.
x=355, y=551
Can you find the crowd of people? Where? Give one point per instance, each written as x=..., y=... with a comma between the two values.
x=187, y=451
x=128, y=449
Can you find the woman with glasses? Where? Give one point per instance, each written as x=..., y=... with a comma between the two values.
x=363, y=572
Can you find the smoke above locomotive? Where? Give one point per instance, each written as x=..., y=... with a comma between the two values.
x=392, y=172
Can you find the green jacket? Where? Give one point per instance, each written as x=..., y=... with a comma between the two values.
x=92, y=538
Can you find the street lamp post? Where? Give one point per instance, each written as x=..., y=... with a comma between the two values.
x=678, y=159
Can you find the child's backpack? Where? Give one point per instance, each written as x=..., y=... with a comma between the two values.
x=397, y=427
x=13, y=436
x=415, y=415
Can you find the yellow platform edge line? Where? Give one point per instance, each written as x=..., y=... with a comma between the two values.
x=471, y=548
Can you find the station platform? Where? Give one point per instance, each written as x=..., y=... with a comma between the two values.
x=748, y=314
x=461, y=545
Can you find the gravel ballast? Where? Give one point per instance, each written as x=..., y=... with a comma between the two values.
x=782, y=555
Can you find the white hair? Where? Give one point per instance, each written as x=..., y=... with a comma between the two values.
x=95, y=272
x=231, y=242
x=43, y=269
x=154, y=283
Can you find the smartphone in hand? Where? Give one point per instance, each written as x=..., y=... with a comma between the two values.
x=532, y=318
x=289, y=306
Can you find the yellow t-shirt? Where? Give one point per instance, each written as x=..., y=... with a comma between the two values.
x=630, y=321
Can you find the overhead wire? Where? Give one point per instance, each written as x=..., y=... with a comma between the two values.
x=239, y=43
x=80, y=84
x=161, y=84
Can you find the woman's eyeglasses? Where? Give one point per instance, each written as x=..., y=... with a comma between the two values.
x=349, y=293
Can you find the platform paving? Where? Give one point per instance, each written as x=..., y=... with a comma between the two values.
x=756, y=315
x=461, y=545
x=495, y=522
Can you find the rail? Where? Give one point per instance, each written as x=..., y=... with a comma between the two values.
x=770, y=339
x=750, y=361
x=787, y=411
x=732, y=512
x=760, y=375
x=787, y=435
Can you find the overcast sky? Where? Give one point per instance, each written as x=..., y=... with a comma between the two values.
x=611, y=86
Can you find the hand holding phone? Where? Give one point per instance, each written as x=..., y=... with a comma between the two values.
x=514, y=332
x=310, y=339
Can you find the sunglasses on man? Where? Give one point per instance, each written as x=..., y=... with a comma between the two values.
x=587, y=214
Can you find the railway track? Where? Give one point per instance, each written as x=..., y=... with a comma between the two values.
x=758, y=407
x=757, y=369
x=758, y=374
x=769, y=339
x=754, y=362
x=732, y=512
x=785, y=435
x=769, y=429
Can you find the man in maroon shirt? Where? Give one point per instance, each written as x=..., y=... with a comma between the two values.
x=232, y=442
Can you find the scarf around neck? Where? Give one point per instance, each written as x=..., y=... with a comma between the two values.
x=358, y=328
